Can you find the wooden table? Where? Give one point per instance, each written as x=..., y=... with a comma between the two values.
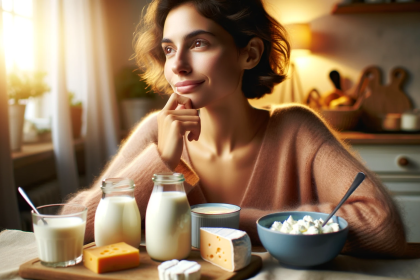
x=17, y=247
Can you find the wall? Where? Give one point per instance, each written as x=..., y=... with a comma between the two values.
x=349, y=43
x=122, y=19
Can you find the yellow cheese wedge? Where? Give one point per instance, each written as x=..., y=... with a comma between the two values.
x=227, y=248
x=112, y=257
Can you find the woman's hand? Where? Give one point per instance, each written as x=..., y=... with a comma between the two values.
x=174, y=121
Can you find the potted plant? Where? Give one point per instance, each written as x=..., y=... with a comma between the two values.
x=21, y=86
x=76, y=110
x=135, y=97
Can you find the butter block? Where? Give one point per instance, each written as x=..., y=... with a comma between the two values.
x=179, y=270
x=112, y=257
x=226, y=248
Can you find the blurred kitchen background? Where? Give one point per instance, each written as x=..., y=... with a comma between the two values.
x=65, y=66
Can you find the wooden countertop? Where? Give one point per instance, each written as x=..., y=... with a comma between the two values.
x=355, y=137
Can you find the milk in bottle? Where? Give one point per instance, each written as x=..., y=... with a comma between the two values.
x=117, y=217
x=168, y=219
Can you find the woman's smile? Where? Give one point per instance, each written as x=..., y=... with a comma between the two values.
x=188, y=86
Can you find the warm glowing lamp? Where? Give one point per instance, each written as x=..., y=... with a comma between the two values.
x=300, y=36
x=300, y=41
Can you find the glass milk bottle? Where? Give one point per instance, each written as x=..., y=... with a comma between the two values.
x=117, y=217
x=168, y=219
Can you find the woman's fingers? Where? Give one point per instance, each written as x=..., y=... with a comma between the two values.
x=194, y=125
x=172, y=118
x=183, y=124
x=182, y=127
x=165, y=117
x=184, y=112
x=172, y=102
x=182, y=100
x=175, y=100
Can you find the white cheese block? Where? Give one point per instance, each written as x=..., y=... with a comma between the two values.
x=179, y=270
x=227, y=248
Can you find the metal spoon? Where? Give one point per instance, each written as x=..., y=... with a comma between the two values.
x=26, y=197
x=356, y=182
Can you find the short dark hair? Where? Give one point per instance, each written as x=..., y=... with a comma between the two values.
x=243, y=19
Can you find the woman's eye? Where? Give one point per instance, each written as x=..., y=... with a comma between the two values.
x=200, y=44
x=167, y=50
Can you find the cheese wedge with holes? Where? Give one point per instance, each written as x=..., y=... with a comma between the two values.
x=227, y=248
x=112, y=257
x=175, y=270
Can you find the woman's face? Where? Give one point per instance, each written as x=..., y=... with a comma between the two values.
x=202, y=60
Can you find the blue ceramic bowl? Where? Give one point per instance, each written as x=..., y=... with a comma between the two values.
x=301, y=250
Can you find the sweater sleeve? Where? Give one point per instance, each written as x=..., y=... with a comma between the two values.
x=375, y=226
x=138, y=159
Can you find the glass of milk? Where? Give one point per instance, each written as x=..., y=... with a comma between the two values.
x=60, y=236
x=117, y=218
x=168, y=219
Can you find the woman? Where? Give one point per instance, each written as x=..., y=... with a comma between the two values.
x=213, y=55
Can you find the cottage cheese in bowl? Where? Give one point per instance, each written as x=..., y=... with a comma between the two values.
x=310, y=245
x=306, y=225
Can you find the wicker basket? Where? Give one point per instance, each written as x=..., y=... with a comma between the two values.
x=342, y=119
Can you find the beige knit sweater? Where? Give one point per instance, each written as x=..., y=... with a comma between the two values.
x=301, y=166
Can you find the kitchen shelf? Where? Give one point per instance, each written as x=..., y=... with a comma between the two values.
x=355, y=137
x=360, y=8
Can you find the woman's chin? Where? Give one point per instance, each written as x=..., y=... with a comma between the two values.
x=196, y=103
x=200, y=100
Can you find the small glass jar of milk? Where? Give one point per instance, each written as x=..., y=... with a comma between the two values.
x=117, y=217
x=168, y=219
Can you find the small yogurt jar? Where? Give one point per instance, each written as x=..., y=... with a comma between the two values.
x=410, y=120
x=212, y=215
